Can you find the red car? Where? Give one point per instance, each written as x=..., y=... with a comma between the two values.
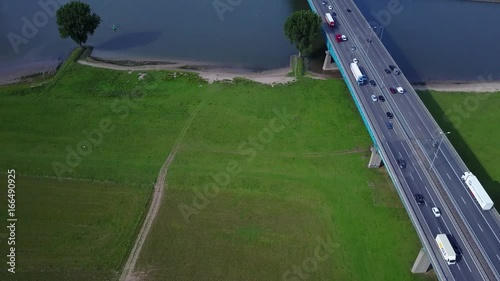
x=393, y=91
x=340, y=37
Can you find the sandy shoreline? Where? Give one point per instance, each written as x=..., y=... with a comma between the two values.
x=476, y=87
x=210, y=73
x=213, y=72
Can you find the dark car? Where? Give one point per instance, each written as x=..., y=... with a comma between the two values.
x=381, y=98
x=389, y=115
x=323, y=2
x=373, y=83
x=388, y=125
x=333, y=14
x=391, y=67
x=393, y=90
x=401, y=163
x=419, y=198
x=387, y=71
x=349, y=10
x=434, y=143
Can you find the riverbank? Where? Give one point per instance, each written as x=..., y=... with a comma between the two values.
x=208, y=72
x=213, y=73
x=471, y=87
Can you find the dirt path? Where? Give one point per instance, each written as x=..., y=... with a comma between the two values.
x=209, y=73
x=159, y=189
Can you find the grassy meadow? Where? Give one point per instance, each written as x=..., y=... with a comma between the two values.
x=87, y=145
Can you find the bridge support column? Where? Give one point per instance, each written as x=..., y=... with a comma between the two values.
x=375, y=159
x=422, y=263
x=329, y=64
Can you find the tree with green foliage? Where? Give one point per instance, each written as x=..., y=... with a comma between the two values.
x=301, y=28
x=76, y=20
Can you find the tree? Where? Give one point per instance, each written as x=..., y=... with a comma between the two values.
x=76, y=20
x=301, y=28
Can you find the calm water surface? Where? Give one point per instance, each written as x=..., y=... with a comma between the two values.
x=430, y=40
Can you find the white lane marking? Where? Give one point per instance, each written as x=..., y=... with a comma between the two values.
x=480, y=227
x=420, y=129
x=430, y=196
x=412, y=177
x=448, y=176
x=405, y=149
x=439, y=229
x=463, y=200
x=459, y=267
x=416, y=171
x=498, y=257
x=467, y=265
x=400, y=155
x=409, y=113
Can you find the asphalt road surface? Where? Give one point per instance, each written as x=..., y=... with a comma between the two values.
x=410, y=140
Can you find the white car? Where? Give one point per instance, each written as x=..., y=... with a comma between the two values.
x=374, y=98
x=400, y=90
x=436, y=212
x=330, y=7
x=344, y=38
x=355, y=60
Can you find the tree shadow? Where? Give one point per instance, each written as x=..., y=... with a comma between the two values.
x=465, y=152
x=129, y=40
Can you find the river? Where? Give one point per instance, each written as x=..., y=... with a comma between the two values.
x=430, y=39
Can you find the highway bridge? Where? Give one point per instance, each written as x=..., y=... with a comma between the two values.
x=433, y=167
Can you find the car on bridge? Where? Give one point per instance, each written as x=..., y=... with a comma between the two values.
x=387, y=71
x=323, y=2
x=389, y=115
x=374, y=98
x=401, y=163
x=420, y=199
x=340, y=37
x=436, y=212
x=381, y=98
x=400, y=90
x=372, y=82
x=388, y=125
x=392, y=90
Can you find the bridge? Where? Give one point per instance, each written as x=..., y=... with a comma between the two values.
x=433, y=167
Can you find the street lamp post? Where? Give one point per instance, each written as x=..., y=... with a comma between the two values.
x=439, y=147
x=370, y=38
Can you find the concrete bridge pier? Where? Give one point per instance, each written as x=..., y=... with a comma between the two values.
x=375, y=159
x=329, y=63
x=422, y=263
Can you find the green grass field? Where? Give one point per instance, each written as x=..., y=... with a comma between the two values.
x=76, y=230
x=308, y=182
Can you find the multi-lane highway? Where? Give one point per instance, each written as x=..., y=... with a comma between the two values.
x=474, y=231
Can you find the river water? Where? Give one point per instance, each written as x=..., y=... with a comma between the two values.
x=430, y=39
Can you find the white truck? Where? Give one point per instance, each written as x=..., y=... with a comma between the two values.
x=329, y=20
x=446, y=249
x=477, y=191
x=358, y=75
